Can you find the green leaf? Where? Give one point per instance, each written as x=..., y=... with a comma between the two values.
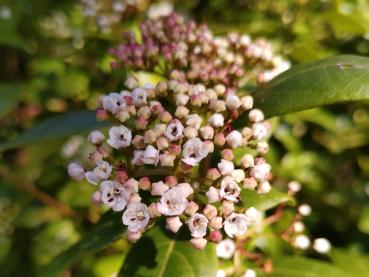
x=302, y=267
x=353, y=263
x=332, y=80
x=108, y=230
x=263, y=202
x=364, y=219
x=57, y=127
x=9, y=95
x=160, y=254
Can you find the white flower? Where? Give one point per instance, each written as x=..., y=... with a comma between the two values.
x=302, y=242
x=226, y=248
x=232, y=102
x=139, y=96
x=76, y=172
x=235, y=225
x=234, y=139
x=198, y=224
x=194, y=150
x=259, y=131
x=213, y=195
x=158, y=188
x=260, y=171
x=186, y=188
x=225, y=167
x=252, y=214
x=114, y=195
x=229, y=189
x=150, y=155
x=114, y=102
x=119, y=137
x=174, y=130
x=101, y=172
x=322, y=245
x=304, y=209
x=216, y=120
x=136, y=217
x=96, y=137
x=173, y=202
x=194, y=120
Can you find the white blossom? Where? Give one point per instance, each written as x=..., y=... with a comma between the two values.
x=213, y=195
x=173, y=202
x=234, y=139
x=238, y=175
x=194, y=120
x=150, y=155
x=322, y=245
x=252, y=214
x=101, y=172
x=226, y=167
x=235, y=225
x=76, y=172
x=194, y=150
x=158, y=188
x=198, y=224
x=114, y=195
x=302, y=242
x=260, y=171
x=119, y=137
x=229, y=189
x=304, y=209
x=136, y=217
x=137, y=157
x=139, y=96
x=226, y=248
x=174, y=130
x=114, y=102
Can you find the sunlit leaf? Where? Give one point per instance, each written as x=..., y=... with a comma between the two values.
x=263, y=202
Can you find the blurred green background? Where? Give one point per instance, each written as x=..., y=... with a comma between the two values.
x=55, y=59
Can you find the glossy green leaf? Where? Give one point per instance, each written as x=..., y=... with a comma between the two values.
x=57, y=127
x=263, y=202
x=353, y=263
x=160, y=254
x=108, y=230
x=328, y=81
x=302, y=267
x=363, y=223
x=9, y=95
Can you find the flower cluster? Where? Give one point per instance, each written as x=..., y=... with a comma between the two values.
x=166, y=140
x=192, y=53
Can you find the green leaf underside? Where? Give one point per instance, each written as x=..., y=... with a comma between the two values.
x=263, y=202
x=333, y=80
x=162, y=254
x=57, y=127
x=352, y=263
x=108, y=230
x=302, y=267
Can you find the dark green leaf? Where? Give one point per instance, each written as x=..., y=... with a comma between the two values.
x=353, y=263
x=263, y=202
x=332, y=80
x=364, y=219
x=302, y=267
x=57, y=127
x=160, y=254
x=108, y=230
x=9, y=94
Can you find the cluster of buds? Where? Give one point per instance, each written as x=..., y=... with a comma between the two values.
x=176, y=141
x=192, y=53
x=108, y=13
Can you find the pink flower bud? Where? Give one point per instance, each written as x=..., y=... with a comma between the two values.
x=150, y=137
x=207, y=132
x=249, y=183
x=153, y=210
x=133, y=236
x=213, y=195
x=216, y=222
x=138, y=142
x=171, y=181
x=191, y=208
x=187, y=189
x=157, y=109
x=161, y=88
x=131, y=83
x=144, y=183
x=175, y=149
x=217, y=105
x=173, y=224
x=121, y=176
x=226, y=208
x=122, y=116
x=96, y=198
x=131, y=185
x=158, y=188
x=196, y=100
x=198, y=243
x=213, y=174
x=215, y=236
x=165, y=117
x=141, y=123
x=262, y=147
x=181, y=112
x=135, y=198
x=101, y=115
x=144, y=112
x=167, y=159
x=128, y=99
x=190, y=132
x=247, y=133
x=210, y=211
x=162, y=143
x=96, y=138
x=219, y=139
x=227, y=154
